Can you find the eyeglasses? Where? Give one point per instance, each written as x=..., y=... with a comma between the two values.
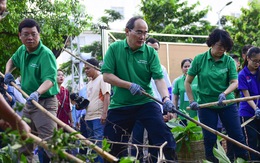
x=26, y=35
x=140, y=33
x=255, y=61
x=3, y=14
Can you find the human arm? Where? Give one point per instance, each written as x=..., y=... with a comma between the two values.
x=9, y=67
x=116, y=81
x=8, y=115
x=162, y=88
x=44, y=87
x=250, y=102
x=105, y=107
x=176, y=99
x=167, y=102
x=187, y=85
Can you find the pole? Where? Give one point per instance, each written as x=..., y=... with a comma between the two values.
x=100, y=151
x=219, y=24
x=228, y=101
x=44, y=144
x=207, y=128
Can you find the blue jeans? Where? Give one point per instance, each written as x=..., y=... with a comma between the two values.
x=120, y=122
x=230, y=120
x=95, y=130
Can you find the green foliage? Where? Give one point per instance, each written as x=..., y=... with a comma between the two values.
x=175, y=17
x=244, y=29
x=185, y=134
x=111, y=16
x=55, y=21
x=95, y=48
x=220, y=154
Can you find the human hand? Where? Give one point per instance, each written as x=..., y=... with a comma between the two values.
x=221, y=98
x=9, y=78
x=34, y=96
x=194, y=105
x=136, y=89
x=168, y=106
x=257, y=113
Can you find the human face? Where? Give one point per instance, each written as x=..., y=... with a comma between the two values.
x=217, y=50
x=136, y=36
x=185, y=67
x=90, y=71
x=30, y=37
x=155, y=45
x=254, y=62
x=60, y=77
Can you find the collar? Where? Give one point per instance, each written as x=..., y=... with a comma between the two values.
x=247, y=71
x=209, y=56
x=37, y=51
x=126, y=46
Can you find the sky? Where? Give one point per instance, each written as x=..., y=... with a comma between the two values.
x=131, y=7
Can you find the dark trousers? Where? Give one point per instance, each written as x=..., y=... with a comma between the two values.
x=120, y=122
x=230, y=120
x=252, y=136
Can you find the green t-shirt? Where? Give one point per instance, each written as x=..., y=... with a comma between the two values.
x=134, y=66
x=180, y=90
x=213, y=76
x=35, y=68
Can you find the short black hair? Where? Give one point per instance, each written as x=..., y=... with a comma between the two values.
x=245, y=48
x=152, y=41
x=131, y=22
x=220, y=35
x=29, y=23
x=233, y=56
x=93, y=61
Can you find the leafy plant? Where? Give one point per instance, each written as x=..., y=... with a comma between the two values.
x=185, y=134
x=220, y=154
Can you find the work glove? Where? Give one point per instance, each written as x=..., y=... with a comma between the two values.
x=136, y=89
x=168, y=106
x=194, y=105
x=9, y=78
x=257, y=113
x=33, y=96
x=221, y=98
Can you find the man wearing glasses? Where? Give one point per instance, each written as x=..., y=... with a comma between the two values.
x=38, y=70
x=129, y=66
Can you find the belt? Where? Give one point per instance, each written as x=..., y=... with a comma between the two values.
x=42, y=98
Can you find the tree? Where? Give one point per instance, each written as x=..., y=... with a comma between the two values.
x=245, y=29
x=96, y=48
x=57, y=21
x=175, y=17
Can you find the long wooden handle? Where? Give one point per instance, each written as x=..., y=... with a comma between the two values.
x=248, y=121
x=44, y=144
x=206, y=127
x=100, y=151
x=81, y=59
x=228, y=101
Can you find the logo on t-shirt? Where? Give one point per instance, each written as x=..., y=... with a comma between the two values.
x=142, y=62
x=34, y=65
x=248, y=79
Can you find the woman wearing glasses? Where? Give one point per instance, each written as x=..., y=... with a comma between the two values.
x=249, y=85
x=217, y=79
